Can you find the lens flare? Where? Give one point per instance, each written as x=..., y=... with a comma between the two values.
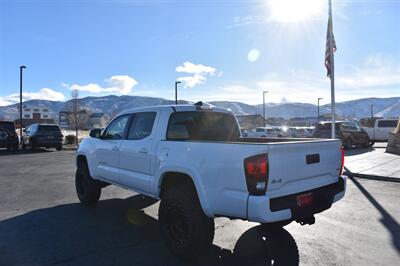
x=253, y=55
x=292, y=11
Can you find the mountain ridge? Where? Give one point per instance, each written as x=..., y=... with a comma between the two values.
x=113, y=104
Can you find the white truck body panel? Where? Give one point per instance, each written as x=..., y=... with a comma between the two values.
x=216, y=168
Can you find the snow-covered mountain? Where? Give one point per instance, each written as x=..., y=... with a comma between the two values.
x=385, y=107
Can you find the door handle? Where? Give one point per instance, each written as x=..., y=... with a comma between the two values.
x=143, y=150
x=115, y=148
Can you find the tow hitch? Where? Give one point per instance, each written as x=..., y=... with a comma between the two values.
x=307, y=220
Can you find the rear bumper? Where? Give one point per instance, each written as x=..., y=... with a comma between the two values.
x=47, y=143
x=8, y=143
x=262, y=209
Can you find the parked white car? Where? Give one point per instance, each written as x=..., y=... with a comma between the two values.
x=263, y=132
x=301, y=132
x=289, y=132
x=309, y=131
x=381, y=129
x=194, y=159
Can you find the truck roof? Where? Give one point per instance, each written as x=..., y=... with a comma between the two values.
x=178, y=108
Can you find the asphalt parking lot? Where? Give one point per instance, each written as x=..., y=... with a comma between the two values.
x=42, y=223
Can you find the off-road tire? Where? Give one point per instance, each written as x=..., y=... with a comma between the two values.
x=367, y=143
x=371, y=143
x=347, y=144
x=88, y=190
x=186, y=230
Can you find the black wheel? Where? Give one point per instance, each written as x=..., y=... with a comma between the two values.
x=366, y=143
x=187, y=231
x=371, y=143
x=16, y=147
x=347, y=144
x=88, y=190
x=59, y=148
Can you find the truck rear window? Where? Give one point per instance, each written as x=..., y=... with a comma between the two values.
x=327, y=126
x=7, y=125
x=202, y=125
x=49, y=128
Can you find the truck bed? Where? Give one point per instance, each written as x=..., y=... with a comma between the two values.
x=274, y=140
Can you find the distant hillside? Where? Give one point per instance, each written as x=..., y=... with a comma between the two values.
x=385, y=107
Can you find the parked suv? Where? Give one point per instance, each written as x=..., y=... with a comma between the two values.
x=42, y=135
x=8, y=136
x=350, y=133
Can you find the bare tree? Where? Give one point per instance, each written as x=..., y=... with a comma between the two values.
x=113, y=113
x=75, y=111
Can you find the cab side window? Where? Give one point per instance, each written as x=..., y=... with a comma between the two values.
x=141, y=126
x=116, y=129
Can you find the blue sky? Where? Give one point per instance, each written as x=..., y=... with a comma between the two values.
x=220, y=50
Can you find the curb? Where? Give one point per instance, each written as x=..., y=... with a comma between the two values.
x=372, y=177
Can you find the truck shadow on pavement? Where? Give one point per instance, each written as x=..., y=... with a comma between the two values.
x=357, y=151
x=118, y=232
x=387, y=220
x=4, y=152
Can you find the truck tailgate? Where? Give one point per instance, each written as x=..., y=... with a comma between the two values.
x=299, y=166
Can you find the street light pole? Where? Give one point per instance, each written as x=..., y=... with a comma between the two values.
x=372, y=112
x=264, y=92
x=318, y=110
x=20, y=100
x=176, y=91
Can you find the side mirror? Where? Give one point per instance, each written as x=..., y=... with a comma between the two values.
x=95, y=133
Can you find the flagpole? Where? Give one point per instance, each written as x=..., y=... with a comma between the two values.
x=332, y=73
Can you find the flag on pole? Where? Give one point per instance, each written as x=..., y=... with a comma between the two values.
x=330, y=66
x=329, y=50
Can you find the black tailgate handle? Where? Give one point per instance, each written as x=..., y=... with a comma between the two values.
x=312, y=158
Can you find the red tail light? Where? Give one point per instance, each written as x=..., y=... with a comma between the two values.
x=342, y=162
x=256, y=171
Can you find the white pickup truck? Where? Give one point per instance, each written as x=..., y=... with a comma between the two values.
x=193, y=158
x=380, y=130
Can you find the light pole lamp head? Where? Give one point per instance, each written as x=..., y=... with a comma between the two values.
x=22, y=67
x=178, y=82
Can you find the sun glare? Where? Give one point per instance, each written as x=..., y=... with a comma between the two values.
x=253, y=55
x=292, y=11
